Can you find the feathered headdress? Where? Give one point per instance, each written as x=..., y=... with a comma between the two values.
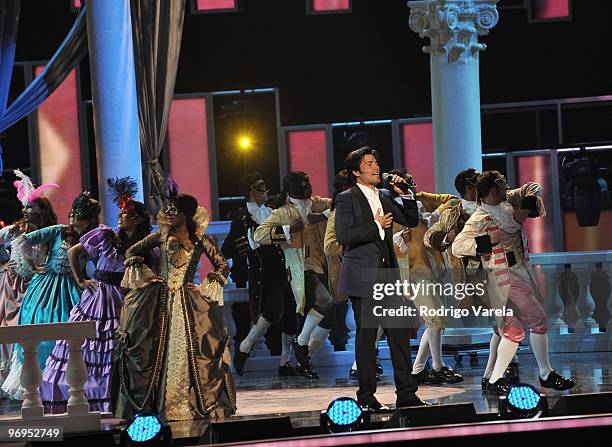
x=122, y=190
x=84, y=206
x=169, y=195
x=172, y=188
x=26, y=193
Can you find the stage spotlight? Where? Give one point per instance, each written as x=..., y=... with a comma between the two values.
x=146, y=429
x=344, y=414
x=586, y=189
x=245, y=143
x=522, y=401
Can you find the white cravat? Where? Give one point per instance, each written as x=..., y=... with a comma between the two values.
x=259, y=213
x=304, y=206
x=375, y=205
x=469, y=206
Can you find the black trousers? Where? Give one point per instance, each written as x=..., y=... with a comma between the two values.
x=365, y=354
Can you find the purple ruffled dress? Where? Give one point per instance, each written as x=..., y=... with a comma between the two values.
x=103, y=305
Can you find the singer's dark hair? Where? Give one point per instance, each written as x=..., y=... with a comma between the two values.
x=354, y=159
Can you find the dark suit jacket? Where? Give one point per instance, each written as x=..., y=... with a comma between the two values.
x=363, y=248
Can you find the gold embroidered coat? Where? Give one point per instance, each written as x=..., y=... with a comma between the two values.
x=333, y=251
x=424, y=262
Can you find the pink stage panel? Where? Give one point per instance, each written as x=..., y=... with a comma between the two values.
x=418, y=151
x=213, y=5
x=307, y=152
x=188, y=152
x=330, y=5
x=536, y=168
x=550, y=9
x=59, y=147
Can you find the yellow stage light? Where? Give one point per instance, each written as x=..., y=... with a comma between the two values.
x=245, y=142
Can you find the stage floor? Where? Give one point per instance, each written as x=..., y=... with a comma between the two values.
x=263, y=394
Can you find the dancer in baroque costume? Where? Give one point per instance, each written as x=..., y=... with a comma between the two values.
x=172, y=355
x=495, y=233
x=298, y=226
x=467, y=269
x=101, y=301
x=15, y=272
x=270, y=297
x=420, y=263
x=53, y=291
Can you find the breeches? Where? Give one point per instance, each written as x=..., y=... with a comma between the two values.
x=527, y=311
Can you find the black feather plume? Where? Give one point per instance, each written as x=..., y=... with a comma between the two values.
x=172, y=188
x=122, y=189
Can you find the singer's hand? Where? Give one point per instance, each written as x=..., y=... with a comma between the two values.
x=395, y=179
x=386, y=220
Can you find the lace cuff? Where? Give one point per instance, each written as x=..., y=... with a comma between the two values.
x=137, y=276
x=212, y=288
x=23, y=255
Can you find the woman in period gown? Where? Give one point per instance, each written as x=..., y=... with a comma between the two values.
x=101, y=302
x=172, y=356
x=15, y=275
x=53, y=291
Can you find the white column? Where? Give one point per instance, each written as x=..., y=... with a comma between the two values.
x=113, y=90
x=453, y=27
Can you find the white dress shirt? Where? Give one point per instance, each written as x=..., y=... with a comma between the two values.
x=375, y=205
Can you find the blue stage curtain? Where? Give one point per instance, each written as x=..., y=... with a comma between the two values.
x=157, y=26
x=70, y=52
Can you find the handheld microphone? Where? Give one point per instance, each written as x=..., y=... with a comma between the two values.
x=385, y=176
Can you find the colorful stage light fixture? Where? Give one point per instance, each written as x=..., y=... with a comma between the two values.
x=522, y=401
x=146, y=429
x=343, y=414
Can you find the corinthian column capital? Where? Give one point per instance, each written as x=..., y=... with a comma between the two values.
x=453, y=26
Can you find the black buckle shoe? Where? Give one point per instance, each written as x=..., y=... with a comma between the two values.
x=501, y=386
x=301, y=352
x=557, y=382
x=374, y=407
x=484, y=384
x=286, y=370
x=427, y=377
x=304, y=370
x=240, y=359
x=512, y=373
x=448, y=375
